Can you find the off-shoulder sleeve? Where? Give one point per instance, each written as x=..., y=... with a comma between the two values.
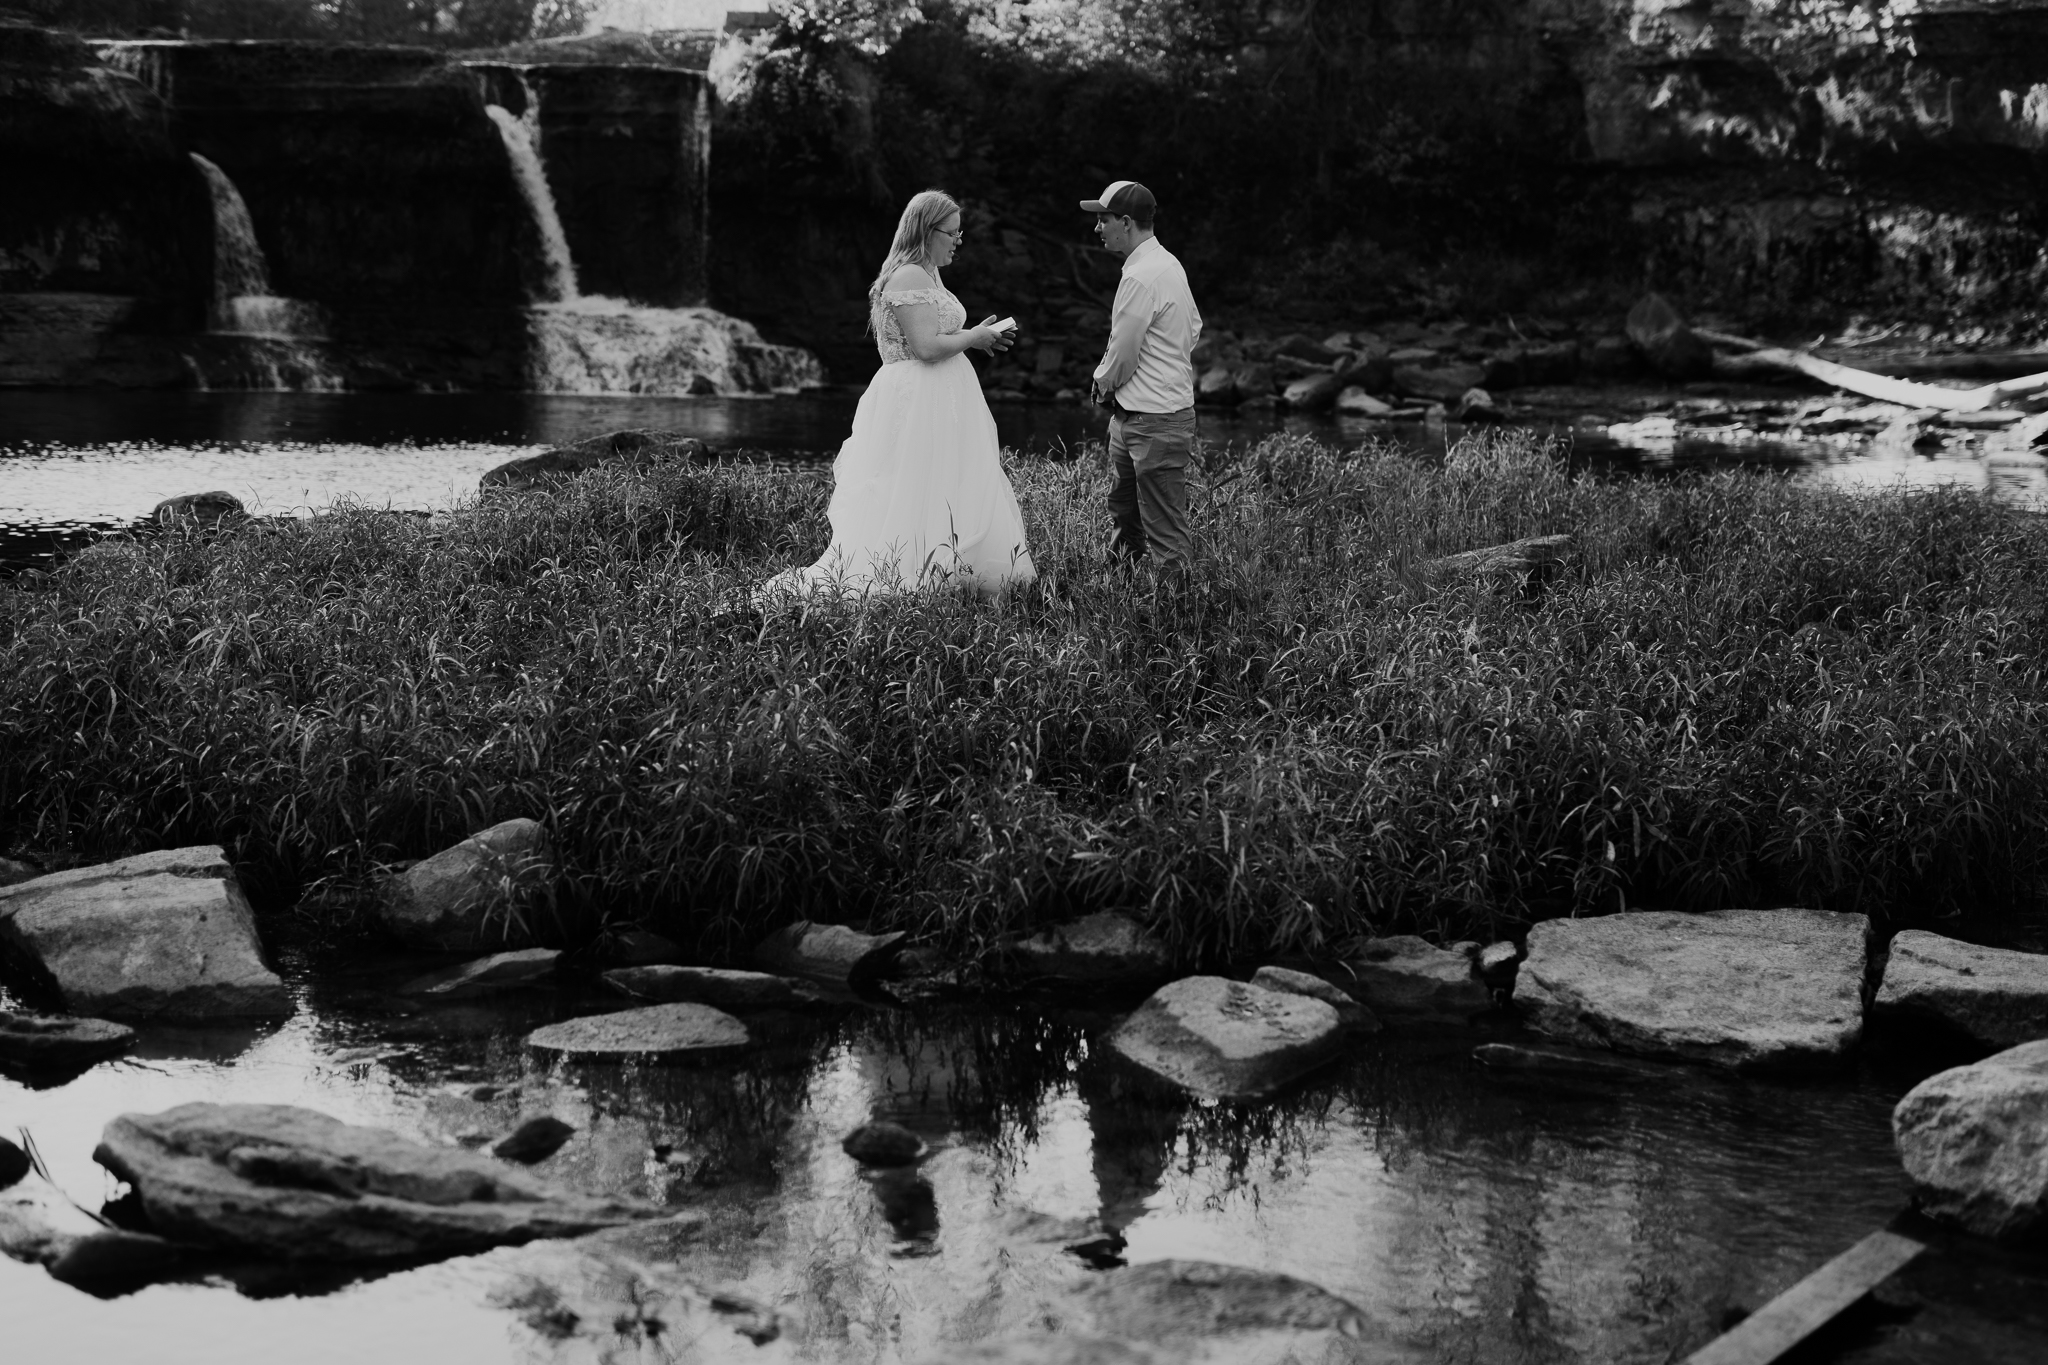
x=898, y=297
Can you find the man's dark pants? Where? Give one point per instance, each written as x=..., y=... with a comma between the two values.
x=1149, y=502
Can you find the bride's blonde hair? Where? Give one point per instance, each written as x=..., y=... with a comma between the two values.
x=921, y=216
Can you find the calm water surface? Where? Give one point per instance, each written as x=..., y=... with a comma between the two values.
x=1474, y=1219
x=75, y=462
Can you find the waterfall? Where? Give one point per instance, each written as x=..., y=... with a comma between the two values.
x=587, y=343
x=264, y=336
x=522, y=142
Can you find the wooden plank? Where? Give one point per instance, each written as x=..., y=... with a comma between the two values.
x=1811, y=1304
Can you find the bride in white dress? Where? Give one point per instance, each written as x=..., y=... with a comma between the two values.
x=918, y=491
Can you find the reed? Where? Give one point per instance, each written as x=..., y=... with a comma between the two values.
x=1743, y=690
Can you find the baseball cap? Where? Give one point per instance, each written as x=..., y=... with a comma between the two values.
x=1122, y=196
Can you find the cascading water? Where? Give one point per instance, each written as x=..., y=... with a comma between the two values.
x=275, y=330
x=593, y=344
x=522, y=144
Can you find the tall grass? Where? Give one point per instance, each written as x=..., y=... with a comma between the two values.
x=1743, y=690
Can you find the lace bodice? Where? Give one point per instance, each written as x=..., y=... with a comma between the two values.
x=889, y=336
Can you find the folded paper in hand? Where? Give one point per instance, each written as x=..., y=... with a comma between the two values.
x=1006, y=325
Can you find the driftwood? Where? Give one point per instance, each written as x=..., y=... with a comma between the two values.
x=1810, y=1305
x=1517, y=556
x=1760, y=357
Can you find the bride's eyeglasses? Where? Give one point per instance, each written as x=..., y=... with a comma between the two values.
x=957, y=234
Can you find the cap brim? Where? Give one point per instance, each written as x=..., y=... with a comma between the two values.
x=1094, y=206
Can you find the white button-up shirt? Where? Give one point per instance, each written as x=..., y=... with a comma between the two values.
x=1153, y=328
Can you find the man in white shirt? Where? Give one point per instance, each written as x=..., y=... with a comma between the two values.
x=1147, y=376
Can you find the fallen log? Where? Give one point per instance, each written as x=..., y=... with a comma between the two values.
x=1815, y=1301
x=1882, y=387
x=1517, y=556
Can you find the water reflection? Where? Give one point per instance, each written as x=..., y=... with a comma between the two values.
x=1472, y=1219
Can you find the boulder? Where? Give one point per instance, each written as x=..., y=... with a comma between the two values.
x=1218, y=384
x=711, y=986
x=641, y=948
x=164, y=935
x=280, y=1181
x=1304, y=347
x=1226, y=1038
x=1252, y=379
x=36, y=1042
x=1314, y=392
x=1287, y=981
x=485, y=976
x=199, y=509
x=827, y=952
x=486, y=891
x=1161, y=1300
x=1774, y=989
x=1354, y=401
x=1666, y=342
x=653, y=1033
x=1102, y=948
x=1407, y=975
x=1477, y=405
x=1993, y=995
x=537, y=1139
x=883, y=1144
x=1974, y=1140
x=1440, y=382
x=631, y=449
x=1496, y=965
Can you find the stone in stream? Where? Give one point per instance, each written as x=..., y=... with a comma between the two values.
x=1767, y=989
x=1286, y=980
x=498, y=972
x=1993, y=995
x=882, y=1143
x=629, y=449
x=537, y=1139
x=1496, y=965
x=1354, y=400
x=1974, y=1141
x=711, y=986
x=104, y=1261
x=659, y=1031
x=202, y=509
x=39, y=1042
x=1404, y=974
x=1102, y=949
x=827, y=952
x=1158, y=1301
x=1226, y=1038
x=14, y=1164
x=164, y=935
x=486, y=891
x=292, y=1183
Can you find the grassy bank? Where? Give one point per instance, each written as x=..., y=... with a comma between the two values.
x=1743, y=691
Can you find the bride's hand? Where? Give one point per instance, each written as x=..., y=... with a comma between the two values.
x=994, y=341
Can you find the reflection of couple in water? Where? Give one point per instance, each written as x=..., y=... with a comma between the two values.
x=918, y=489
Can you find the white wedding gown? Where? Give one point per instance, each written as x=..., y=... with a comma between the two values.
x=918, y=491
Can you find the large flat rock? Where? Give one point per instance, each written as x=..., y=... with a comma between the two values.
x=1221, y=1037
x=675, y=1031
x=166, y=935
x=711, y=986
x=1406, y=975
x=1974, y=1140
x=1767, y=989
x=1994, y=995
x=297, y=1184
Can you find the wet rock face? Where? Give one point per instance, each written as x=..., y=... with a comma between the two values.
x=1992, y=995
x=1100, y=948
x=31, y=1042
x=655, y=1033
x=1404, y=974
x=1221, y=1037
x=371, y=173
x=1764, y=989
x=1975, y=1142
x=163, y=935
x=293, y=1183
